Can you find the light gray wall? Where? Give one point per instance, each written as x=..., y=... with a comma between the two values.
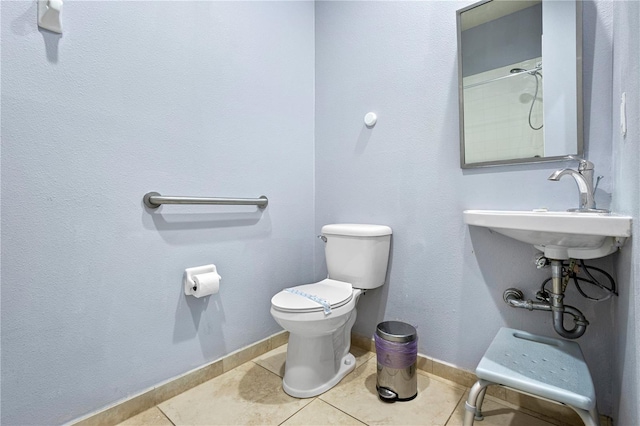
x=626, y=199
x=396, y=59
x=183, y=98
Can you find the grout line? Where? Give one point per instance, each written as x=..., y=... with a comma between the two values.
x=456, y=406
x=297, y=411
x=165, y=414
x=279, y=377
x=363, y=364
x=262, y=366
x=342, y=411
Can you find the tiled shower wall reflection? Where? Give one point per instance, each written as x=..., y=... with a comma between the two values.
x=496, y=114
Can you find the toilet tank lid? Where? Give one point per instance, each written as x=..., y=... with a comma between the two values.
x=356, y=229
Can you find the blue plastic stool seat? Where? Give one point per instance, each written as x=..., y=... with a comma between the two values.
x=545, y=367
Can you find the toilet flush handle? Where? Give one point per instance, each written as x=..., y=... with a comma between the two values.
x=323, y=238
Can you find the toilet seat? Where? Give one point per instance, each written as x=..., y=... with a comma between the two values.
x=336, y=293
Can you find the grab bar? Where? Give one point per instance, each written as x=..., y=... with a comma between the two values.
x=153, y=200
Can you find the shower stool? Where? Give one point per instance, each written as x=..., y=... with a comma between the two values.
x=543, y=367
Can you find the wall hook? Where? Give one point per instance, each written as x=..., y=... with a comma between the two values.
x=370, y=119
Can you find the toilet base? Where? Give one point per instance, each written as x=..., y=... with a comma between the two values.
x=347, y=365
x=318, y=350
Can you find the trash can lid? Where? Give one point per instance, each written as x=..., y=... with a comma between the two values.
x=396, y=331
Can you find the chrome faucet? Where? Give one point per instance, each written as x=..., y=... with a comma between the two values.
x=584, y=180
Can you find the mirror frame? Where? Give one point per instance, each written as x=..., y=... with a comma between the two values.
x=579, y=96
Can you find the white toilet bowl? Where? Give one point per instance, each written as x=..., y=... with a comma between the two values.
x=318, y=351
x=319, y=316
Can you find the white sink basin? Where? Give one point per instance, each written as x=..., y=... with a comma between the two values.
x=560, y=235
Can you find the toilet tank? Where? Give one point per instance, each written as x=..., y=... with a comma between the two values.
x=357, y=253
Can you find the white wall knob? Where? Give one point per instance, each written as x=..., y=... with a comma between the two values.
x=370, y=119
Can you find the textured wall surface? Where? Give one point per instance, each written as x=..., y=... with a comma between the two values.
x=183, y=98
x=626, y=199
x=397, y=59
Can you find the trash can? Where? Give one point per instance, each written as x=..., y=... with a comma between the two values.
x=397, y=353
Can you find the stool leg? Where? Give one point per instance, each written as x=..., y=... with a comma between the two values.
x=472, y=408
x=590, y=418
x=479, y=402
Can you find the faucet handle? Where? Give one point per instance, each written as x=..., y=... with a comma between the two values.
x=598, y=179
x=585, y=165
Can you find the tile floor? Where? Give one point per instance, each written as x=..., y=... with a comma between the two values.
x=252, y=394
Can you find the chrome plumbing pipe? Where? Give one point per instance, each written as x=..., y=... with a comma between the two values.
x=580, y=322
x=515, y=298
x=559, y=308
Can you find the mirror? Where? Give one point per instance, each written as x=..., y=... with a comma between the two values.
x=520, y=97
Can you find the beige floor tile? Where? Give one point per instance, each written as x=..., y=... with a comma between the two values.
x=247, y=395
x=356, y=395
x=362, y=355
x=274, y=360
x=151, y=417
x=319, y=413
x=553, y=413
x=496, y=414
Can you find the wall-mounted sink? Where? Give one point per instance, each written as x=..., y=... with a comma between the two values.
x=560, y=235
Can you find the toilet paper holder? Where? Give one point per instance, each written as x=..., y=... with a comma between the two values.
x=188, y=281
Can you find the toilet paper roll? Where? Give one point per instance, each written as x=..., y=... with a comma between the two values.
x=206, y=284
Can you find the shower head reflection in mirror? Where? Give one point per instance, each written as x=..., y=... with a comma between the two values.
x=535, y=72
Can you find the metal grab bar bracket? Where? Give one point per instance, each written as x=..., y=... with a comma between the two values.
x=147, y=200
x=153, y=200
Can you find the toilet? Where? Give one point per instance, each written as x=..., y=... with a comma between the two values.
x=319, y=316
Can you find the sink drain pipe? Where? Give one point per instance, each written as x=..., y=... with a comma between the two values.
x=515, y=298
